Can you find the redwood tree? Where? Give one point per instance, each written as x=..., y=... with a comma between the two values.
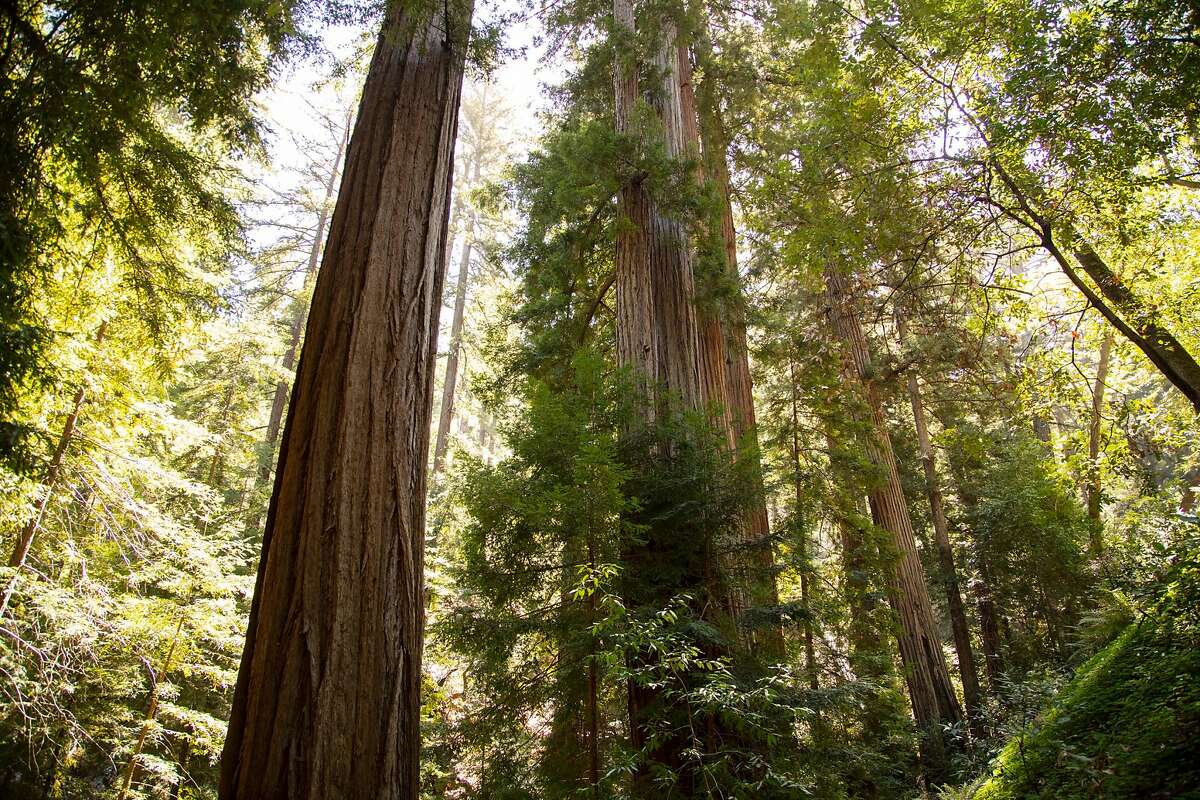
x=328, y=695
x=930, y=691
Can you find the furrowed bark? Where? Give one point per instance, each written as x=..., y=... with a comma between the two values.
x=636, y=346
x=327, y=701
x=930, y=691
x=726, y=335
x=674, y=317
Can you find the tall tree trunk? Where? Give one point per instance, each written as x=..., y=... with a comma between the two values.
x=949, y=577
x=930, y=691
x=49, y=484
x=985, y=602
x=1094, y=494
x=636, y=347
x=869, y=657
x=327, y=701
x=673, y=282
x=989, y=632
x=450, y=382
x=656, y=338
x=593, y=690
x=723, y=338
x=279, y=400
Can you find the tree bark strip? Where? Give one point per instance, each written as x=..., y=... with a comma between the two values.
x=671, y=257
x=930, y=691
x=327, y=701
x=967, y=671
x=657, y=338
x=636, y=346
x=738, y=390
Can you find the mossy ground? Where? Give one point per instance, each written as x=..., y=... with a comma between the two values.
x=1127, y=726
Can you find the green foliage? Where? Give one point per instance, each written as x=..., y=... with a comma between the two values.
x=551, y=631
x=118, y=124
x=1128, y=724
x=531, y=533
x=128, y=550
x=1028, y=533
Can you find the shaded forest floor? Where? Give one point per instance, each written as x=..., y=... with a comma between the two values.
x=1127, y=725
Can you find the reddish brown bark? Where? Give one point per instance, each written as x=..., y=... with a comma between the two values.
x=930, y=690
x=656, y=331
x=327, y=701
x=636, y=348
x=967, y=671
x=723, y=344
x=674, y=311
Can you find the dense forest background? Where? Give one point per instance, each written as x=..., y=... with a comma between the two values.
x=813, y=410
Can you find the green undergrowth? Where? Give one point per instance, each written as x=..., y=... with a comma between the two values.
x=1128, y=724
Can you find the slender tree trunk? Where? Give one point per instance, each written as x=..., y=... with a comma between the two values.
x=989, y=631
x=151, y=714
x=279, y=400
x=990, y=617
x=930, y=690
x=49, y=485
x=1094, y=494
x=810, y=651
x=593, y=699
x=949, y=577
x=869, y=657
x=450, y=382
x=327, y=701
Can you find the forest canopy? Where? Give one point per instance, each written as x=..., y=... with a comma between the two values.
x=778, y=399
